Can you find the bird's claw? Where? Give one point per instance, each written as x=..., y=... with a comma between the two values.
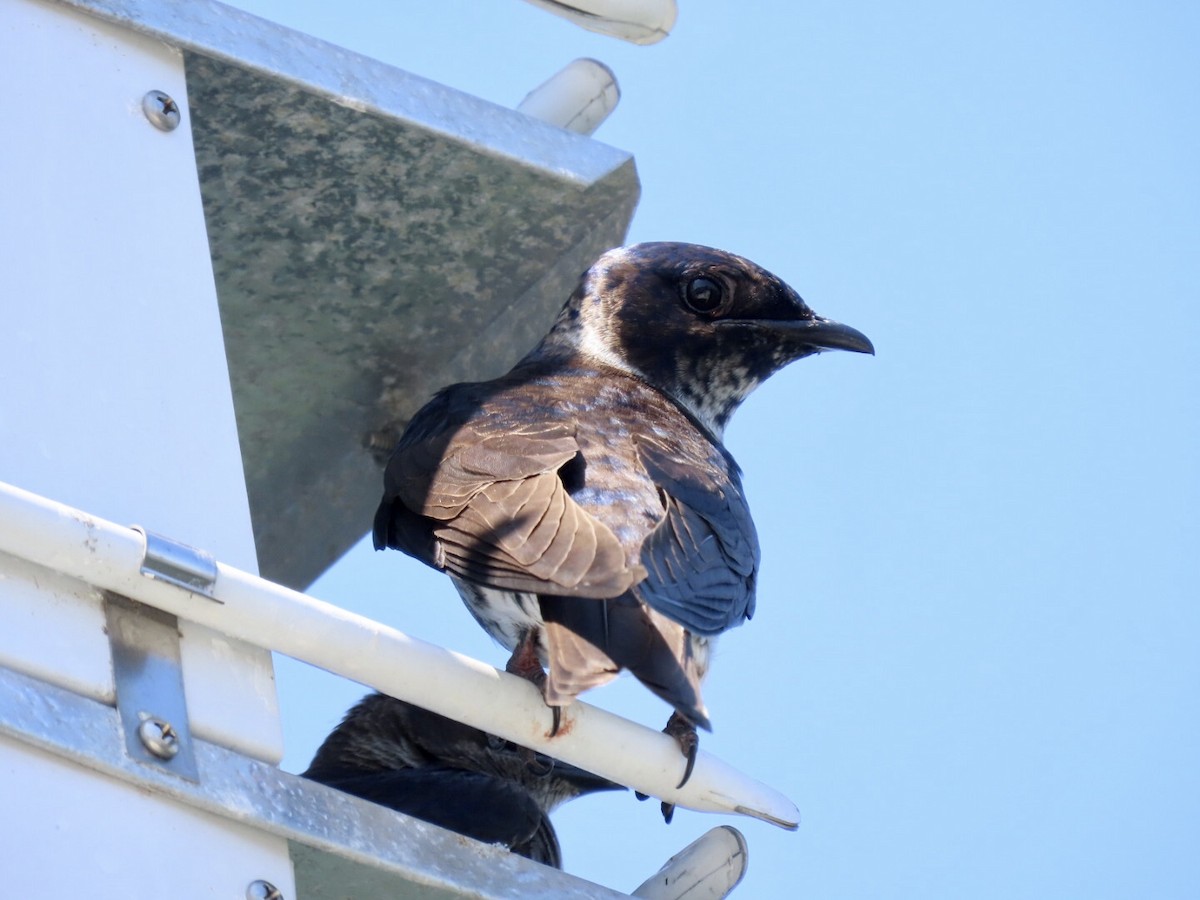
x=684, y=733
x=538, y=765
x=668, y=809
x=689, y=743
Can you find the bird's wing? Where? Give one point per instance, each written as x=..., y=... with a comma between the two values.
x=486, y=501
x=702, y=559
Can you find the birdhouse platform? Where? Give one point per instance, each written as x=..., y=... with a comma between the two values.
x=235, y=259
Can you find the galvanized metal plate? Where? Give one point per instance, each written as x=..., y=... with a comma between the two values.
x=149, y=680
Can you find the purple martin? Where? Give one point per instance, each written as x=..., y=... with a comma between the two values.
x=442, y=771
x=584, y=504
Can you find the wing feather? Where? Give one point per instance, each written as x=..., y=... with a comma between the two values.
x=702, y=559
x=494, y=506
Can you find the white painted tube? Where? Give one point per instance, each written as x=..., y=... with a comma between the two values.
x=268, y=615
x=706, y=869
x=578, y=97
x=636, y=21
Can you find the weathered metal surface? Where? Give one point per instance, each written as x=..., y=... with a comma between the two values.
x=361, y=266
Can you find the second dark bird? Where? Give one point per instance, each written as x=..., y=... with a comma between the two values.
x=433, y=768
x=584, y=504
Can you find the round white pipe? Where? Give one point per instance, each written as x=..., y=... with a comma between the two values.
x=578, y=97
x=271, y=616
x=706, y=869
x=636, y=21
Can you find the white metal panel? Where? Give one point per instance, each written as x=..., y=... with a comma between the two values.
x=53, y=629
x=72, y=832
x=116, y=391
x=111, y=326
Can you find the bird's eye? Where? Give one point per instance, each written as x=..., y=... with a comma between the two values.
x=703, y=294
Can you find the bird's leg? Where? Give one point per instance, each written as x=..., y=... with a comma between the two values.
x=524, y=663
x=524, y=660
x=684, y=732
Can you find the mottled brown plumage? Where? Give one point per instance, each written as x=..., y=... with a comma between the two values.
x=584, y=501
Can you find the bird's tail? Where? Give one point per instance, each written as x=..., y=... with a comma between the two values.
x=591, y=641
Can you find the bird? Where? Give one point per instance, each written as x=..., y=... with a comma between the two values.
x=584, y=504
x=433, y=768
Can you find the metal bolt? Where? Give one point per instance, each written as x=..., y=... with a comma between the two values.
x=262, y=890
x=159, y=737
x=161, y=110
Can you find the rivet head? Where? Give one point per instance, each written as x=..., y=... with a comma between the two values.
x=262, y=890
x=161, y=110
x=159, y=737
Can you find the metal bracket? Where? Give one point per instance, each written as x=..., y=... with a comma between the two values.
x=339, y=844
x=178, y=564
x=149, y=682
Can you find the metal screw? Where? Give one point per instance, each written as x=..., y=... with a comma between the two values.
x=159, y=737
x=262, y=890
x=161, y=110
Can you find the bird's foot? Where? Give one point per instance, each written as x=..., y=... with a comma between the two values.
x=536, y=764
x=689, y=744
x=525, y=663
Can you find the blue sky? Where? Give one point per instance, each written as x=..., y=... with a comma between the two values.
x=975, y=665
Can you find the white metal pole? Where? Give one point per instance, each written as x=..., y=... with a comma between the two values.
x=636, y=21
x=706, y=869
x=578, y=97
x=268, y=615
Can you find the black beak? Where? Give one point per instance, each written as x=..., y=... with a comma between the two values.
x=583, y=780
x=812, y=333
x=826, y=334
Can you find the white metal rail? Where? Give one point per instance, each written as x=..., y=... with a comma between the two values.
x=268, y=615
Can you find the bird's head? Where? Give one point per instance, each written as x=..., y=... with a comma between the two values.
x=702, y=325
x=549, y=781
x=382, y=734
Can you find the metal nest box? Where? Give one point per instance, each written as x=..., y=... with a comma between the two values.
x=240, y=258
x=374, y=236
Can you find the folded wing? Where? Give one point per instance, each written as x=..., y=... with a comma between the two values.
x=488, y=503
x=702, y=559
